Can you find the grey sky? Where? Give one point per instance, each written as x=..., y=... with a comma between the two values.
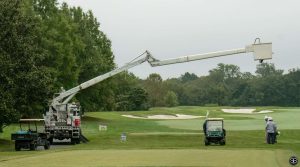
x=173, y=28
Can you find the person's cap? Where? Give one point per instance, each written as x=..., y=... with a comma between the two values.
x=270, y=119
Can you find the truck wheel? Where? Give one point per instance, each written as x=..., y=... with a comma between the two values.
x=50, y=140
x=33, y=146
x=73, y=141
x=47, y=145
x=17, y=147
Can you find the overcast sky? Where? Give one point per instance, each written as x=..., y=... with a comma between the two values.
x=173, y=28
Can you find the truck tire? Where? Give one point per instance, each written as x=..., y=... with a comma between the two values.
x=33, y=147
x=73, y=141
x=50, y=140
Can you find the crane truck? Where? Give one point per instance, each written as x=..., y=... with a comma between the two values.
x=63, y=120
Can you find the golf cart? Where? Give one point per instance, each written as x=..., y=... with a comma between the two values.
x=214, y=131
x=28, y=136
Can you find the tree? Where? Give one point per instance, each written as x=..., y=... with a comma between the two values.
x=266, y=70
x=138, y=97
x=154, y=78
x=171, y=99
x=8, y=113
x=269, y=85
x=129, y=94
x=175, y=85
x=154, y=87
x=25, y=82
x=226, y=83
x=188, y=77
x=292, y=88
x=135, y=99
x=76, y=50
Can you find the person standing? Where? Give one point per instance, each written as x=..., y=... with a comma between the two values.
x=271, y=129
x=204, y=127
x=266, y=134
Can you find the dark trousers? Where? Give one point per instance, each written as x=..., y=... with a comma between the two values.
x=271, y=138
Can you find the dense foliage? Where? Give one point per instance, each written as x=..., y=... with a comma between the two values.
x=45, y=46
x=76, y=50
x=25, y=80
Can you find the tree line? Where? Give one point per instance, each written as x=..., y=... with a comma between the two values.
x=45, y=45
x=226, y=85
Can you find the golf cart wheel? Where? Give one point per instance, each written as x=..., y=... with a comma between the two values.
x=17, y=147
x=77, y=141
x=33, y=147
x=222, y=142
x=47, y=145
x=206, y=142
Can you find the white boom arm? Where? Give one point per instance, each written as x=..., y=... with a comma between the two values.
x=262, y=51
x=65, y=96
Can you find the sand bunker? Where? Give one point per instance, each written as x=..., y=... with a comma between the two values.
x=264, y=111
x=245, y=111
x=176, y=116
x=239, y=111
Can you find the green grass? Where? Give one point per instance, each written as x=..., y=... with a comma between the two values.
x=169, y=142
x=165, y=157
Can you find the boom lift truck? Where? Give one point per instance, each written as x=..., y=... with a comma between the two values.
x=62, y=120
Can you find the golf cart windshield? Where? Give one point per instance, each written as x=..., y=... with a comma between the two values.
x=215, y=125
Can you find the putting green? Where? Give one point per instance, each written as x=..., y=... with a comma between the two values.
x=166, y=157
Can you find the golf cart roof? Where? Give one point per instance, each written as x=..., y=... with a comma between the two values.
x=215, y=119
x=31, y=120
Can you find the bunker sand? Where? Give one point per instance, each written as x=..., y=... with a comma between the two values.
x=176, y=116
x=245, y=111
